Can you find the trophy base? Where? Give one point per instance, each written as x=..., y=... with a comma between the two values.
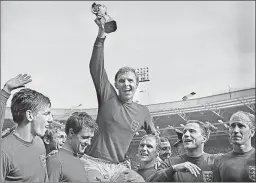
x=110, y=26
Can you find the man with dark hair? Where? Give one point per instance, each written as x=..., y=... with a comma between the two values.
x=23, y=151
x=66, y=166
x=54, y=138
x=193, y=166
x=148, y=153
x=165, y=149
x=119, y=118
x=239, y=164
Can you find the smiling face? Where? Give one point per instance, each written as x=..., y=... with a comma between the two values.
x=192, y=136
x=40, y=122
x=126, y=85
x=59, y=139
x=147, y=151
x=80, y=141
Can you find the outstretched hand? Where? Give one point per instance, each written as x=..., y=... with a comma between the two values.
x=17, y=82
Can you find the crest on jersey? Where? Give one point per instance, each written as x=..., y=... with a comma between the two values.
x=207, y=176
x=252, y=173
x=134, y=125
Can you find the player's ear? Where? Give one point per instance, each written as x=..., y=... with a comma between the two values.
x=252, y=132
x=46, y=140
x=29, y=115
x=70, y=132
x=204, y=139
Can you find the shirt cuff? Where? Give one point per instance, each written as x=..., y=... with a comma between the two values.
x=169, y=171
x=99, y=42
x=5, y=94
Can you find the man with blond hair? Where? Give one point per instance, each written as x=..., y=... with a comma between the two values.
x=239, y=164
x=148, y=154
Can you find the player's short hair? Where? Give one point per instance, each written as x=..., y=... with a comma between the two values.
x=125, y=70
x=164, y=139
x=157, y=138
x=54, y=128
x=245, y=117
x=206, y=127
x=79, y=120
x=27, y=99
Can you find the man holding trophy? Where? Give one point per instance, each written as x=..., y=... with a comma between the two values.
x=119, y=118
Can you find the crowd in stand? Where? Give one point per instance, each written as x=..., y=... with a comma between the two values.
x=39, y=149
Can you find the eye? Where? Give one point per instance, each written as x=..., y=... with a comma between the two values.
x=121, y=80
x=149, y=146
x=164, y=148
x=241, y=125
x=47, y=113
x=191, y=131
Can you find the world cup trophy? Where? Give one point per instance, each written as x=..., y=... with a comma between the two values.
x=101, y=12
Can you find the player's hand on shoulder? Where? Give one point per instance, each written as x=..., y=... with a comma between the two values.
x=187, y=166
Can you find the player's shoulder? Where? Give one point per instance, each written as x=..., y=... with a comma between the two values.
x=54, y=159
x=141, y=107
x=220, y=158
x=5, y=142
x=213, y=156
x=176, y=159
x=39, y=141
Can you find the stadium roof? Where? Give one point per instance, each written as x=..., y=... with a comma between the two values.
x=241, y=97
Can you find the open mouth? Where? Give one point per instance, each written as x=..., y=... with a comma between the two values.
x=143, y=154
x=128, y=90
x=236, y=137
x=83, y=146
x=188, y=140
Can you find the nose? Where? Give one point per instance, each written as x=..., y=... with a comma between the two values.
x=126, y=82
x=50, y=120
x=186, y=134
x=144, y=148
x=88, y=142
x=236, y=129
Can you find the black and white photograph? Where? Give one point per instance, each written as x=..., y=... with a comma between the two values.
x=127, y=91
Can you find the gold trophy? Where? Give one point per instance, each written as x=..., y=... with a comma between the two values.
x=101, y=12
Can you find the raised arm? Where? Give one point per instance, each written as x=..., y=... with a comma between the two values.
x=97, y=70
x=14, y=83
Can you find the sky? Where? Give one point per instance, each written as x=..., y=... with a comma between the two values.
x=204, y=47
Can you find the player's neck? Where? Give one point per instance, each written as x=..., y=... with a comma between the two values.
x=197, y=152
x=67, y=146
x=23, y=131
x=145, y=165
x=242, y=148
x=127, y=101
